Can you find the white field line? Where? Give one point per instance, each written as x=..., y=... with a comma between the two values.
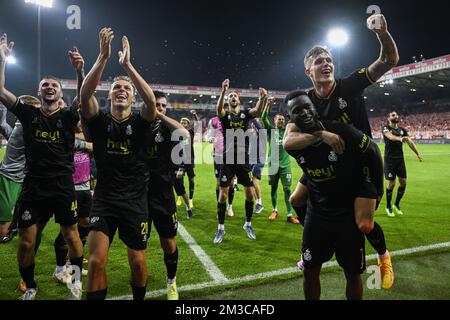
x=265, y=275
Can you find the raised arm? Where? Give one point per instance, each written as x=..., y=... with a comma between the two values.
x=6, y=97
x=89, y=104
x=389, y=54
x=221, y=102
x=265, y=114
x=260, y=104
x=77, y=61
x=173, y=125
x=148, y=111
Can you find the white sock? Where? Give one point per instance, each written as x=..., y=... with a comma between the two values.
x=259, y=201
x=248, y=224
x=61, y=269
x=383, y=256
x=221, y=227
x=170, y=281
x=230, y=206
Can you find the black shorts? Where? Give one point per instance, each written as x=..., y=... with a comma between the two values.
x=257, y=170
x=323, y=239
x=42, y=198
x=84, y=201
x=394, y=168
x=162, y=211
x=189, y=170
x=217, y=170
x=129, y=216
x=242, y=171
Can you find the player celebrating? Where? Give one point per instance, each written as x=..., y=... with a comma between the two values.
x=283, y=163
x=120, y=200
x=329, y=225
x=233, y=120
x=49, y=135
x=394, y=161
x=342, y=100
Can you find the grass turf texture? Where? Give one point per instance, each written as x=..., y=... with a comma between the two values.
x=426, y=221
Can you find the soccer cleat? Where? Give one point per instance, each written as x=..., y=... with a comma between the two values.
x=219, y=236
x=172, y=292
x=292, y=219
x=179, y=201
x=390, y=213
x=387, y=272
x=258, y=208
x=9, y=236
x=22, y=287
x=230, y=211
x=75, y=291
x=273, y=215
x=30, y=294
x=190, y=214
x=191, y=203
x=397, y=210
x=301, y=265
x=64, y=277
x=250, y=233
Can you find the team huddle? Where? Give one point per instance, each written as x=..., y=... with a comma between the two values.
x=52, y=147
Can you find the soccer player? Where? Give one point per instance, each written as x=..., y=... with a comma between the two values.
x=161, y=201
x=215, y=136
x=235, y=121
x=331, y=180
x=49, y=135
x=342, y=100
x=188, y=168
x=283, y=162
x=394, y=161
x=256, y=151
x=120, y=199
x=81, y=179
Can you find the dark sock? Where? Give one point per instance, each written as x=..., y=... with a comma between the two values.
x=77, y=262
x=389, y=198
x=376, y=239
x=171, y=261
x=27, y=275
x=230, y=196
x=60, y=250
x=83, y=234
x=191, y=189
x=249, y=207
x=217, y=194
x=400, y=194
x=221, y=208
x=301, y=213
x=37, y=244
x=138, y=292
x=97, y=295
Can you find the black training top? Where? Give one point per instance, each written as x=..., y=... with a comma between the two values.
x=119, y=147
x=49, y=140
x=394, y=149
x=345, y=103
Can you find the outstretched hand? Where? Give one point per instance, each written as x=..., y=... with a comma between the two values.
x=5, y=48
x=377, y=23
x=225, y=85
x=76, y=59
x=124, y=55
x=106, y=36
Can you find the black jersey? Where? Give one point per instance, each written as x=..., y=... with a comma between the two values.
x=332, y=178
x=394, y=149
x=122, y=173
x=239, y=121
x=49, y=140
x=159, y=146
x=345, y=103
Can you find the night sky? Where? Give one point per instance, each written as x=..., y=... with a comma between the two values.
x=254, y=43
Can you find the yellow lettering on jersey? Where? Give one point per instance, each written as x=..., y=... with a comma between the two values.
x=322, y=173
x=237, y=124
x=118, y=147
x=48, y=136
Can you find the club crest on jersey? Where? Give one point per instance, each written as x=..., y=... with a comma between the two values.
x=302, y=160
x=35, y=120
x=243, y=116
x=224, y=179
x=401, y=132
x=159, y=138
x=59, y=124
x=342, y=104
x=390, y=175
x=229, y=117
x=129, y=130
x=333, y=157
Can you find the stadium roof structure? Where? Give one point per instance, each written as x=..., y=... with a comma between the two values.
x=424, y=80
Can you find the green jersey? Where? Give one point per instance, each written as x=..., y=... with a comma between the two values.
x=283, y=156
